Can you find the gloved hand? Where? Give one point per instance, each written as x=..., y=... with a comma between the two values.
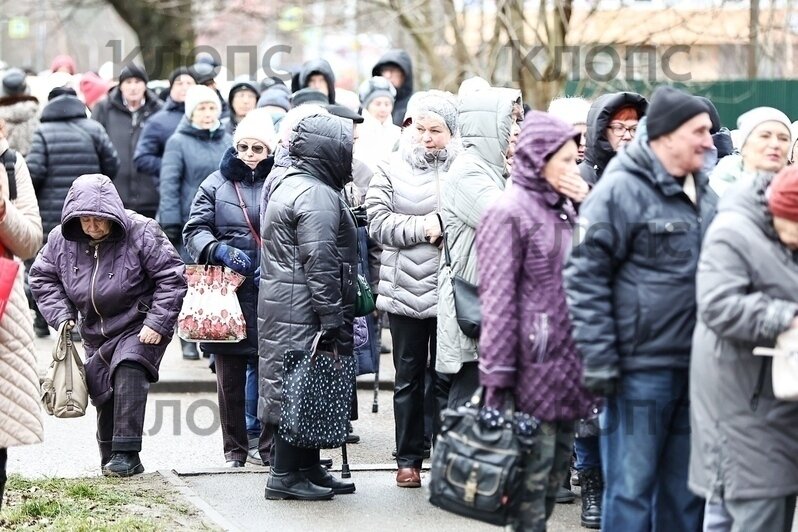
x=175, y=234
x=233, y=258
x=601, y=386
x=361, y=218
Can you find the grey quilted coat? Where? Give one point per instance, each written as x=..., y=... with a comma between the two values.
x=405, y=189
x=475, y=180
x=747, y=289
x=309, y=254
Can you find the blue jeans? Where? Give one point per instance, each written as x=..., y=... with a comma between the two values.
x=251, y=398
x=645, y=448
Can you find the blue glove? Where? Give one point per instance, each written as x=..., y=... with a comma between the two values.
x=233, y=258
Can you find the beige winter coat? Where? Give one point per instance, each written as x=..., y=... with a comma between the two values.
x=21, y=234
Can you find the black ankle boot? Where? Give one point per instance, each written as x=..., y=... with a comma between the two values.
x=123, y=464
x=295, y=485
x=564, y=493
x=592, y=492
x=321, y=477
x=189, y=350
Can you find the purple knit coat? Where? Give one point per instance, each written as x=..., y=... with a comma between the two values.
x=522, y=242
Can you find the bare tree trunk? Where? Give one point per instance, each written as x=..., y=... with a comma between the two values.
x=165, y=31
x=753, y=39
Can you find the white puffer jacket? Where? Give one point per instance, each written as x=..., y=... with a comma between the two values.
x=404, y=190
x=21, y=235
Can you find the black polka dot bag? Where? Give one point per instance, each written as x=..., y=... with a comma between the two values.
x=317, y=397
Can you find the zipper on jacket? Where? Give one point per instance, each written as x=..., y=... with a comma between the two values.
x=93, y=285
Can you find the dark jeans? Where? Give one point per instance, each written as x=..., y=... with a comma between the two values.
x=588, y=454
x=288, y=458
x=120, y=420
x=253, y=424
x=413, y=352
x=231, y=380
x=645, y=447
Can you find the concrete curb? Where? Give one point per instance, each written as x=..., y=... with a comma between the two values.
x=198, y=502
x=250, y=469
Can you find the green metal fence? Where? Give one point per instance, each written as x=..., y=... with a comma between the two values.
x=732, y=98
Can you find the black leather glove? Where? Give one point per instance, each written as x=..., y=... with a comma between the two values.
x=175, y=234
x=361, y=218
x=601, y=386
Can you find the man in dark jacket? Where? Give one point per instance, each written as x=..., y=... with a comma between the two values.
x=123, y=115
x=162, y=124
x=397, y=67
x=631, y=290
x=611, y=124
x=309, y=260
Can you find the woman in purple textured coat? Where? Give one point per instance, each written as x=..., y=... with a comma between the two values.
x=526, y=345
x=120, y=272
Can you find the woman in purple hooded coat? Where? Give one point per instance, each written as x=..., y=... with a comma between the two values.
x=118, y=270
x=526, y=346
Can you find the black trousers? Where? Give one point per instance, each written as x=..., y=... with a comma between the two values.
x=413, y=352
x=120, y=420
x=288, y=459
x=454, y=390
x=3, y=461
x=231, y=380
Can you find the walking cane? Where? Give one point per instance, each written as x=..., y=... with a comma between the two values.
x=375, y=405
x=345, y=473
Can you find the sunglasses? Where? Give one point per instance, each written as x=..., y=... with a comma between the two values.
x=256, y=148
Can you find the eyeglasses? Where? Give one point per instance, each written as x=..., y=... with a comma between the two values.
x=256, y=148
x=619, y=130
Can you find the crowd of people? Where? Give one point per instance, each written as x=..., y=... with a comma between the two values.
x=630, y=253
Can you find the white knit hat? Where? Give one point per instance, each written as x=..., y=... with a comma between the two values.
x=198, y=94
x=257, y=125
x=759, y=115
x=572, y=111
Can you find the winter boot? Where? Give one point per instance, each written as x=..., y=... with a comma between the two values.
x=592, y=492
x=321, y=477
x=564, y=494
x=123, y=464
x=295, y=485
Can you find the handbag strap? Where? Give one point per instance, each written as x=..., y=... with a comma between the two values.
x=246, y=214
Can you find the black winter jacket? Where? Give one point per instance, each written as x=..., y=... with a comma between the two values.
x=309, y=258
x=216, y=217
x=631, y=281
x=598, y=150
x=66, y=146
x=152, y=143
x=124, y=128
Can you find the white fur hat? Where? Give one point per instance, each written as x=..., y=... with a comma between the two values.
x=257, y=125
x=198, y=94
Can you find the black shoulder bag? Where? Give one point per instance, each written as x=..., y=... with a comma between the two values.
x=466, y=298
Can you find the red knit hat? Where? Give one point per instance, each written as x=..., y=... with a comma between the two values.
x=783, y=200
x=93, y=88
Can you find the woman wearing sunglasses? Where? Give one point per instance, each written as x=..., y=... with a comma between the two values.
x=224, y=228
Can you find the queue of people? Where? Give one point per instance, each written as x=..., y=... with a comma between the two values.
x=621, y=299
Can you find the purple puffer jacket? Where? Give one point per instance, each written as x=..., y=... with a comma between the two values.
x=132, y=278
x=522, y=242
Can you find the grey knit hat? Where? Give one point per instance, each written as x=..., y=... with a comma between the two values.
x=434, y=102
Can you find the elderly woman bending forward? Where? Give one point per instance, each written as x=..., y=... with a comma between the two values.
x=119, y=271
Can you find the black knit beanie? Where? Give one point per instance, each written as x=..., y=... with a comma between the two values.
x=132, y=70
x=669, y=109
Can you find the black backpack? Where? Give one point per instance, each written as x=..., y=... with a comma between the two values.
x=9, y=158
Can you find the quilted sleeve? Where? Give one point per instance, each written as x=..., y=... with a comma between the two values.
x=318, y=212
x=21, y=227
x=386, y=227
x=163, y=265
x=46, y=286
x=200, y=230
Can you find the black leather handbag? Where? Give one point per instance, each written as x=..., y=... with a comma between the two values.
x=477, y=466
x=466, y=298
x=317, y=397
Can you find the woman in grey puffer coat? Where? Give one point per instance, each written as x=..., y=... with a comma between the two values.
x=403, y=204
x=744, y=441
x=477, y=179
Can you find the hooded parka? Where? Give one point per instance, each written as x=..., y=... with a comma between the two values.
x=131, y=278
x=309, y=258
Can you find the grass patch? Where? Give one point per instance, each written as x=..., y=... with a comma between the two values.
x=142, y=504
